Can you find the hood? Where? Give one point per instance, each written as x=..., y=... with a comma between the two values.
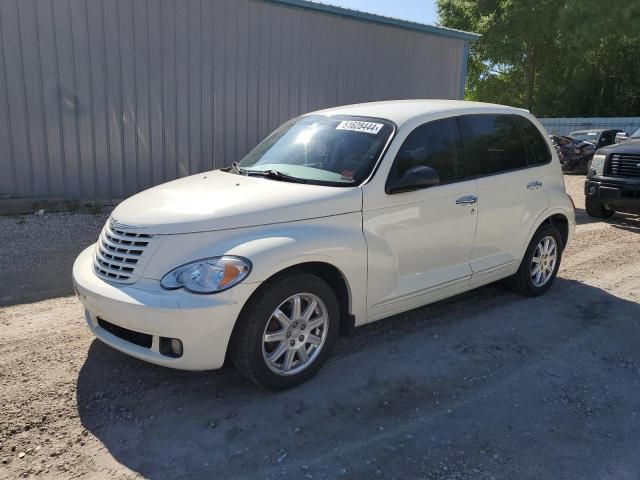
x=219, y=200
x=628, y=146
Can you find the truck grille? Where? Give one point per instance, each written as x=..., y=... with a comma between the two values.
x=119, y=252
x=623, y=165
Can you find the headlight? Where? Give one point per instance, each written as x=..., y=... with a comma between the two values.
x=597, y=164
x=209, y=275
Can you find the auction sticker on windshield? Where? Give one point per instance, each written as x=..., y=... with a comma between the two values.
x=355, y=126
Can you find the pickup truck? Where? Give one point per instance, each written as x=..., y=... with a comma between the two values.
x=613, y=179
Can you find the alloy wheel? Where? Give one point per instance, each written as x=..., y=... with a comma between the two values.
x=295, y=334
x=544, y=260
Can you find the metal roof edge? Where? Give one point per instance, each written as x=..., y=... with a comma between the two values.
x=380, y=19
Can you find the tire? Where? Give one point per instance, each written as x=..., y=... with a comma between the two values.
x=597, y=209
x=524, y=281
x=263, y=316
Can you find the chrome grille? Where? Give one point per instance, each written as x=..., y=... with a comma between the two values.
x=624, y=165
x=120, y=252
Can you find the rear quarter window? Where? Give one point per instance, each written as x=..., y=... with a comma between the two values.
x=539, y=149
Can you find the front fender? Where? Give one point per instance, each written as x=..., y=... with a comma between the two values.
x=337, y=241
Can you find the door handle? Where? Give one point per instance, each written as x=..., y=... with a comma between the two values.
x=534, y=185
x=467, y=200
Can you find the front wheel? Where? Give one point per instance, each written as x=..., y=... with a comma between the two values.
x=540, y=264
x=287, y=331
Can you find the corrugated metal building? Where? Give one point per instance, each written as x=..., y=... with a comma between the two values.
x=100, y=99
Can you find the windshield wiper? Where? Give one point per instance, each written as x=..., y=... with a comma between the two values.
x=274, y=174
x=237, y=169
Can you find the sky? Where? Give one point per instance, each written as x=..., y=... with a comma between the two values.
x=421, y=11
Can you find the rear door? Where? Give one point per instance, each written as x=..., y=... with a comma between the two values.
x=511, y=193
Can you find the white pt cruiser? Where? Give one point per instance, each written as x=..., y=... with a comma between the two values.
x=339, y=218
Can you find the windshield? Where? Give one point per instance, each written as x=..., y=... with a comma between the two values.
x=635, y=134
x=585, y=136
x=338, y=151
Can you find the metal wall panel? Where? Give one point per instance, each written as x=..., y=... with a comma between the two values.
x=564, y=126
x=100, y=99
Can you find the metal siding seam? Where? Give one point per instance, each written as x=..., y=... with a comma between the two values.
x=93, y=126
x=44, y=116
x=151, y=161
x=8, y=107
x=175, y=77
x=463, y=75
x=106, y=103
x=24, y=101
x=135, y=97
x=188, y=35
x=162, y=127
x=201, y=159
x=75, y=97
x=121, y=119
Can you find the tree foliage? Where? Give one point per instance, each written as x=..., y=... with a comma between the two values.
x=554, y=57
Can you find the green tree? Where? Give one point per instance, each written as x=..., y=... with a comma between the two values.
x=555, y=58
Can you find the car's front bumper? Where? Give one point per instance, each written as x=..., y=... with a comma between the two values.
x=203, y=323
x=618, y=194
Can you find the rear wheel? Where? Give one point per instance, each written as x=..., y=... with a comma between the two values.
x=597, y=209
x=287, y=331
x=540, y=264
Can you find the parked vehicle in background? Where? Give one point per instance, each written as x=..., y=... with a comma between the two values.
x=575, y=155
x=624, y=136
x=600, y=137
x=613, y=180
x=339, y=218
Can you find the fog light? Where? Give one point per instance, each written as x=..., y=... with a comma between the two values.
x=176, y=347
x=170, y=347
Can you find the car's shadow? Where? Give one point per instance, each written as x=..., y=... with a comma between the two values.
x=623, y=221
x=490, y=374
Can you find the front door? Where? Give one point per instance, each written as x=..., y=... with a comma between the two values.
x=420, y=242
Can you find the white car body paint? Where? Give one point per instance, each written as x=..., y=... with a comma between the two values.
x=394, y=252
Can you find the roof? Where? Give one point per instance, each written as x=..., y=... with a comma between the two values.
x=401, y=111
x=381, y=19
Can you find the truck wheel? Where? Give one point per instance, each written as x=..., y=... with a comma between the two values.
x=596, y=209
x=540, y=264
x=286, y=333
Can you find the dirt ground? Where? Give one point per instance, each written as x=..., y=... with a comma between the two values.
x=488, y=385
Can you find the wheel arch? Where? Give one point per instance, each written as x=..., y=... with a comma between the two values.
x=328, y=272
x=558, y=218
x=561, y=222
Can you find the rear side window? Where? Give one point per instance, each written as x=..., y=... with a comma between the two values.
x=539, y=149
x=435, y=144
x=493, y=144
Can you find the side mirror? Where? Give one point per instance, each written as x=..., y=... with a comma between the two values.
x=621, y=137
x=415, y=178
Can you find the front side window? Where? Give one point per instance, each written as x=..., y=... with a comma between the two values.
x=539, y=148
x=493, y=144
x=435, y=144
x=337, y=151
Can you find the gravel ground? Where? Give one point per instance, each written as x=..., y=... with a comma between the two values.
x=485, y=385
